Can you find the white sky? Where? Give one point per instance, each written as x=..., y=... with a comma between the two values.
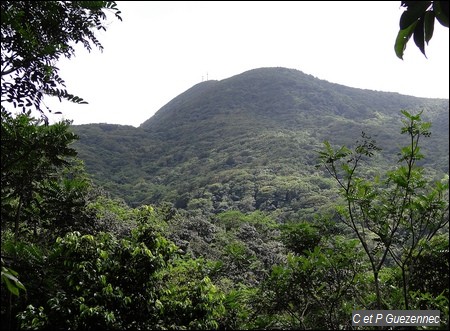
x=163, y=48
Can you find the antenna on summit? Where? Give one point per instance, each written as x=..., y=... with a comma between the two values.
x=206, y=76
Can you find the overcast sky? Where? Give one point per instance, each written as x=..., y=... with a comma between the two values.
x=163, y=48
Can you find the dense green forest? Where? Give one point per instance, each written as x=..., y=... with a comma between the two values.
x=286, y=254
x=269, y=200
x=75, y=258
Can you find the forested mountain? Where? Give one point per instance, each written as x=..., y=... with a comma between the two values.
x=244, y=210
x=250, y=142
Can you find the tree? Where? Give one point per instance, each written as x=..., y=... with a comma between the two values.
x=31, y=154
x=43, y=195
x=135, y=283
x=315, y=290
x=299, y=237
x=35, y=34
x=418, y=21
x=393, y=217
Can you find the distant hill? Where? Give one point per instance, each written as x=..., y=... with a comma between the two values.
x=250, y=142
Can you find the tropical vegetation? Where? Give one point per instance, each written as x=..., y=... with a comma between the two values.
x=251, y=203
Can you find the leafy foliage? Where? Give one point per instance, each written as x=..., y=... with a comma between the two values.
x=418, y=21
x=139, y=282
x=31, y=154
x=394, y=216
x=9, y=278
x=300, y=237
x=108, y=266
x=35, y=34
x=316, y=290
x=245, y=241
x=430, y=278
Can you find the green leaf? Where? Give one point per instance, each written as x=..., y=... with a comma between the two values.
x=342, y=152
x=406, y=113
x=429, y=25
x=402, y=39
x=441, y=14
x=419, y=35
x=11, y=288
x=12, y=283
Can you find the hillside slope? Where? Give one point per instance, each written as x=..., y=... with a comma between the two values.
x=250, y=142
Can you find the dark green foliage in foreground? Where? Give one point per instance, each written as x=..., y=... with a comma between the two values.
x=101, y=282
x=73, y=258
x=32, y=155
x=393, y=216
x=35, y=34
x=318, y=288
x=418, y=21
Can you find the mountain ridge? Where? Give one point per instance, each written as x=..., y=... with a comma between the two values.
x=272, y=74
